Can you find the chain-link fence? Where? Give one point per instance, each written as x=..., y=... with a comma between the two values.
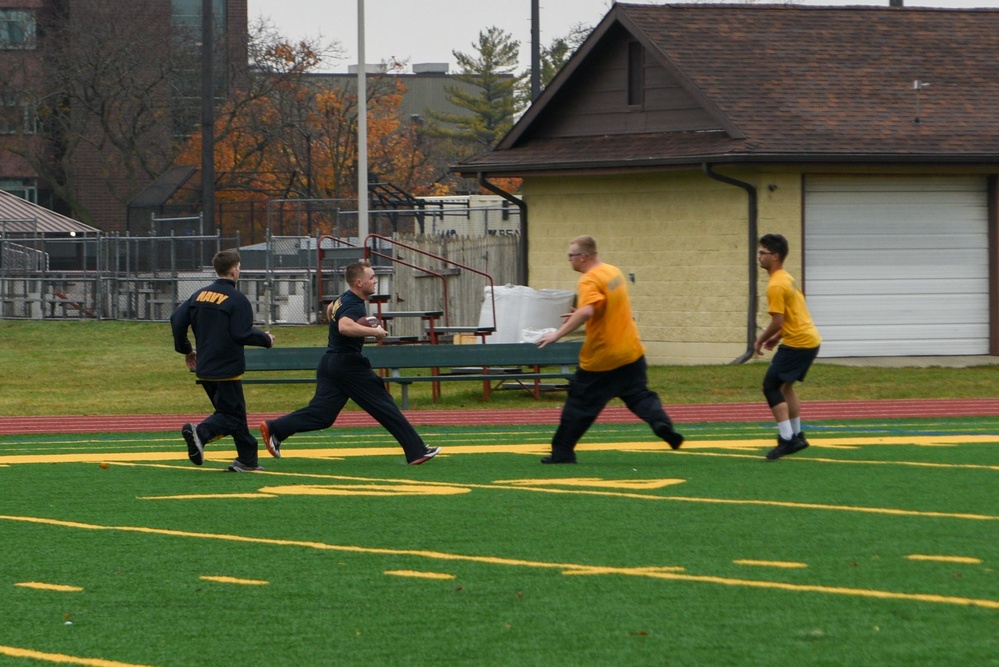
x=46, y=276
x=287, y=277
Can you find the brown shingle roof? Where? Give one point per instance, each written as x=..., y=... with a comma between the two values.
x=826, y=84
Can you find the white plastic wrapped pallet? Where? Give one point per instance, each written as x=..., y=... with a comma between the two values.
x=520, y=308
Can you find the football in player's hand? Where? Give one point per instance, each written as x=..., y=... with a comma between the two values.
x=369, y=321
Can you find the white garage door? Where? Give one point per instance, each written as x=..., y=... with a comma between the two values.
x=897, y=266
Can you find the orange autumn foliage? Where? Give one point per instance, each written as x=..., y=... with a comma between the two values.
x=257, y=151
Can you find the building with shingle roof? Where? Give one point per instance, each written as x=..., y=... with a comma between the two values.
x=678, y=134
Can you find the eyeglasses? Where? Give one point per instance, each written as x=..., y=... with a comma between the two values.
x=765, y=252
x=575, y=254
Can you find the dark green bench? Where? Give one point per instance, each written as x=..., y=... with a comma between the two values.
x=486, y=363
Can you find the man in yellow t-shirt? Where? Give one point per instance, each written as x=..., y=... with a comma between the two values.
x=791, y=326
x=612, y=360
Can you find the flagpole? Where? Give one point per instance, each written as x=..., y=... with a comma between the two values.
x=362, y=129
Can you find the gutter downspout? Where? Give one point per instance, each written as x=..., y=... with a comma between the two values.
x=520, y=204
x=753, y=220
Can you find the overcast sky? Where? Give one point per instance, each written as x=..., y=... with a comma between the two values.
x=423, y=31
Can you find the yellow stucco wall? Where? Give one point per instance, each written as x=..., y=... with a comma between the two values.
x=683, y=236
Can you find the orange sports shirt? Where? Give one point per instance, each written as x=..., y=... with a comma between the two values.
x=611, y=334
x=784, y=297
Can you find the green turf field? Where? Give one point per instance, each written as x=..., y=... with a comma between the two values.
x=877, y=546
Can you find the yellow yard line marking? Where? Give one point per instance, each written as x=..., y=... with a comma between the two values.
x=269, y=491
x=234, y=580
x=872, y=462
x=770, y=563
x=842, y=508
x=573, y=568
x=211, y=496
x=915, y=464
x=220, y=455
x=62, y=588
x=15, y=652
x=419, y=575
x=538, y=448
x=966, y=560
x=830, y=590
x=591, y=571
x=596, y=482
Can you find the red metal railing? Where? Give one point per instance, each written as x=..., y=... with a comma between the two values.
x=369, y=252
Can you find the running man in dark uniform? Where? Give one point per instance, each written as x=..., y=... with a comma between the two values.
x=791, y=326
x=344, y=373
x=222, y=320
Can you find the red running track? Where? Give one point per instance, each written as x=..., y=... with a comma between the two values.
x=715, y=412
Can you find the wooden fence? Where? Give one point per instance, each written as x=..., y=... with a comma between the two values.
x=413, y=289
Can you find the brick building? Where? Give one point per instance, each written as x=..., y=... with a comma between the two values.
x=84, y=157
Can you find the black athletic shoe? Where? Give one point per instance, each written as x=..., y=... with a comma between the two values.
x=666, y=432
x=195, y=450
x=804, y=441
x=559, y=459
x=785, y=447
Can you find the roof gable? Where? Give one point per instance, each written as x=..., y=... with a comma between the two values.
x=771, y=83
x=593, y=101
x=19, y=216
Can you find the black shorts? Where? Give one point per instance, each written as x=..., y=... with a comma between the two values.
x=791, y=364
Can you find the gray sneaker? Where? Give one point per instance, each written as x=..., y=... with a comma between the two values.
x=195, y=450
x=239, y=466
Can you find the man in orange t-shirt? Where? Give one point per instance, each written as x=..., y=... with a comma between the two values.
x=612, y=361
x=792, y=328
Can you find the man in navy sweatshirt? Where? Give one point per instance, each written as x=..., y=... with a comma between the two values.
x=222, y=320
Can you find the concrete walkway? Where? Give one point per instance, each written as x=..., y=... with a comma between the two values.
x=913, y=362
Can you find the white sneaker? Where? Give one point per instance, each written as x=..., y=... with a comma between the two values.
x=429, y=454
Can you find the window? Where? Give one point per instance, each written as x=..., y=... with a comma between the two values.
x=186, y=20
x=636, y=74
x=17, y=29
x=25, y=188
x=187, y=13
x=16, y=117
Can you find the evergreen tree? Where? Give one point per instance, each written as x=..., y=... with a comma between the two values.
x=492, y=101
x=557, y=54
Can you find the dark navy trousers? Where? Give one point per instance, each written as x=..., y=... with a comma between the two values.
x=591, y=391
x=348, y=375
x=229, y=419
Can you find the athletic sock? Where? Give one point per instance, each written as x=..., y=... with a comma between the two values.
x=785, y=429
x=796, y=425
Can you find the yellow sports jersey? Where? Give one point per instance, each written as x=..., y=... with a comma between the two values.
x=784, y=297
x=611, y=335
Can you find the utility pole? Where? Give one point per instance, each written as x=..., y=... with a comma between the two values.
x=308, y=176
x=535, y=49
x=362, y=130
x=207, y=119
